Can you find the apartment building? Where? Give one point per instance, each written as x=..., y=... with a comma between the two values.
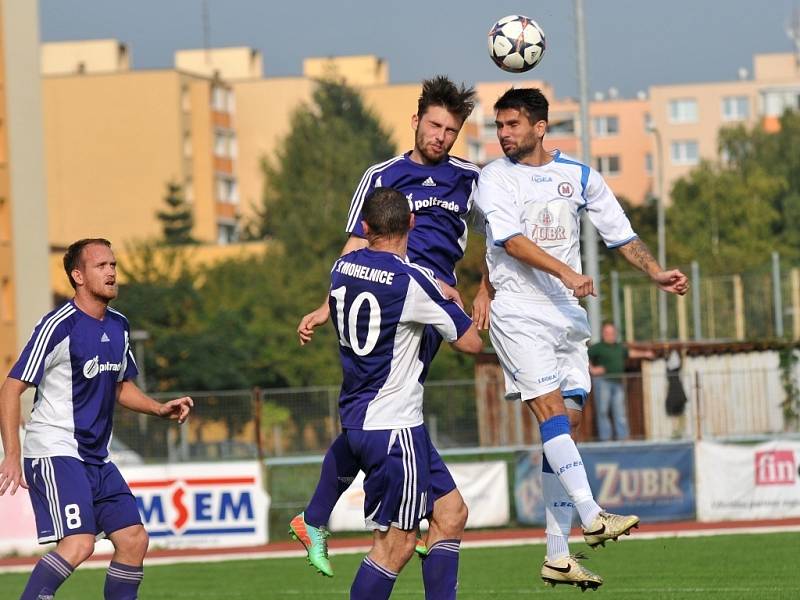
x=686, y=119
x=116, y=137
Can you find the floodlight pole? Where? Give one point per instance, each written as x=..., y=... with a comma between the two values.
x=588, y=232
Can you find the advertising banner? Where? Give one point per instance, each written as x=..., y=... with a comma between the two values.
x=210, y=505
x=483, y=485
x=201, y=505
x=654, y=481
x=17, y=525
x=736, y=481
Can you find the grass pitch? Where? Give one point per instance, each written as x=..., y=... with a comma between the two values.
x=728, y=567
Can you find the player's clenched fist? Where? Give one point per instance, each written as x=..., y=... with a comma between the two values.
x=581, y=285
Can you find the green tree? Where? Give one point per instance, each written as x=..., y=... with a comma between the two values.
x=307, y=193
x=177, y=219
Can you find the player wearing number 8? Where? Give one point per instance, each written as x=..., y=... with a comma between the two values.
x=382, y=304
x=80, y=361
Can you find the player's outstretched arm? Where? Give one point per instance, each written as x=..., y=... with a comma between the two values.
x=11, y=466
x=131, y=397
x=320, y=315
x=470, y=342
x=529, y=253
x=638, y=254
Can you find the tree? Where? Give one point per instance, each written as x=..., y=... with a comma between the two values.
x=307, y=193
x=177, y=220
x=730, y=216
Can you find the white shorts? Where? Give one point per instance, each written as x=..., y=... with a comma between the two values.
x=542, y=347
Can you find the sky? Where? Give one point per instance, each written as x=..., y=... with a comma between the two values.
x=631, y=44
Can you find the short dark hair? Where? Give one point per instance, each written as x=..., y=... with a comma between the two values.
x=387, y=212
x=440, y=91
x=72, y=257
x=531, y=101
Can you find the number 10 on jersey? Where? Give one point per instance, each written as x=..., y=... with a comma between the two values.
x=350, y=337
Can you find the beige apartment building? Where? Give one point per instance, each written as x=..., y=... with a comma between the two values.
x=24, y=282
x=115, y=138
x=686, y=119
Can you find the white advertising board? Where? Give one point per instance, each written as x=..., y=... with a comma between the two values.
x=199, y=505
x=744, y=482
x=483, y=485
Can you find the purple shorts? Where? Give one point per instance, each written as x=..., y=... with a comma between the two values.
x=403, y=473
x=70, y=496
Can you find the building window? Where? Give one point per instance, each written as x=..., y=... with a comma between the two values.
x=607, y=165
x=684, y=152
x=561, y=125
x=605, y=126
x=735, y=108
x=683, y=110
x=186, y=99
x=227, y=190
x=475, y=152
x=221, y=99
x=227, y=233
x=648, y=122
x=221, y=146
x=187, y=144
x=776, y=102
x=648, y=163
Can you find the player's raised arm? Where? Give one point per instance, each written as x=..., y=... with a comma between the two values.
x=131, y=397
x=11, y=466
x=528, y=252
x=320, y=315
x=638, y=254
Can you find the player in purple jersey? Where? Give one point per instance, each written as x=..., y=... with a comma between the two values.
x=80, y=361
x=439, y=191
x=382, y=304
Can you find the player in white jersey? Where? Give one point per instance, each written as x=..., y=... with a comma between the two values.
x=80, y=362
x=532, y=200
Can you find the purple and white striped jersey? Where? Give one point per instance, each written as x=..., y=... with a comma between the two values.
x=380, y=306
x=75, y=362
x=440, y=196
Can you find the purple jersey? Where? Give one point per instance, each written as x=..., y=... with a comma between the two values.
x=440, y=196
x=380, y=306
x=75, y=361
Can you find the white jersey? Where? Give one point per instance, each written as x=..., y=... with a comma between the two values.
x=544, y=204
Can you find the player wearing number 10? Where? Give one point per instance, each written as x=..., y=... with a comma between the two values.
x=80, y=361
x=381, y=305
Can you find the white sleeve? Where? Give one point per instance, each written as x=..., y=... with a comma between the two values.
x=500, y=208
x=476, y=220
x=425, y=304
x=605, y=212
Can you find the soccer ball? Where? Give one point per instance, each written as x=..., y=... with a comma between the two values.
x=516, y=43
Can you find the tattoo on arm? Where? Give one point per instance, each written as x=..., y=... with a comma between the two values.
x=637, y=253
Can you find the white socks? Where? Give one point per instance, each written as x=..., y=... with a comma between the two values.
x=563, y=456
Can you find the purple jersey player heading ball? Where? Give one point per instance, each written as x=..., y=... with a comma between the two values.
x=439, y=189
x=80, y=361
x=382, y=305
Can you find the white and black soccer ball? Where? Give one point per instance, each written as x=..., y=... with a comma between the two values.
x=516, y=43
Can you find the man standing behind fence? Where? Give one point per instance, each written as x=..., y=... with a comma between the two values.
x=80, y=361
x=381, y=305
x=607, y=366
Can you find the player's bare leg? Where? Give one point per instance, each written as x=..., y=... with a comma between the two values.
x=54, y=567
x=440, y=565
x=125, y=572
x=391, y=550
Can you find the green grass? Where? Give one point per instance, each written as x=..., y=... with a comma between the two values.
x=727, y=567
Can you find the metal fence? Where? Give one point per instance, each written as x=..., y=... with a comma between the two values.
x=727, y=396
x=762, y=303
